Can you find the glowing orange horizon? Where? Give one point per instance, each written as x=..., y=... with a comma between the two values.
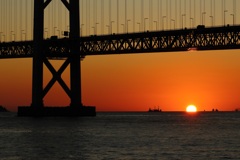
x=133, y=82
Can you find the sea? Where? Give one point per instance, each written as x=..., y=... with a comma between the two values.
x=122, y=136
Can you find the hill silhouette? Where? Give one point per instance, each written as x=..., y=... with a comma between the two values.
x=2, y=109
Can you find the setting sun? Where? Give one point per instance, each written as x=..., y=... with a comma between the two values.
x=191, y=108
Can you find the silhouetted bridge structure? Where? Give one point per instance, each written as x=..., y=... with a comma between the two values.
x=215, y=38
x=73, y=47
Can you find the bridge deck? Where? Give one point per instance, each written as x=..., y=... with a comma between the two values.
x=216, y=38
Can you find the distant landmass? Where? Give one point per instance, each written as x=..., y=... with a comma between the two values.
x=2, y=109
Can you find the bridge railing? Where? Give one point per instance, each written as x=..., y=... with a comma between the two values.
x=164, y=41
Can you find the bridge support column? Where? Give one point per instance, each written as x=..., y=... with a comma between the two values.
x=37, y=71
x=75, y=59
x=40, y=57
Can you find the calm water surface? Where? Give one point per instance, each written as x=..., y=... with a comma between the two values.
x=123, y=136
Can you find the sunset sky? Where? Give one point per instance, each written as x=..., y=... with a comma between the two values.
x=208, y=79
x=137, y=82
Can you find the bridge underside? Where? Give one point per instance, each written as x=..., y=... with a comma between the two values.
x=217, y=38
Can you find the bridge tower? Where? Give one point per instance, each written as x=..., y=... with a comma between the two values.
x=73, y=60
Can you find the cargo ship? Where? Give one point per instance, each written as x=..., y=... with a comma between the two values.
x=154, y=110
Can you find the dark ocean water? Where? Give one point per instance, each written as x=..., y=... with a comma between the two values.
x=122, y=136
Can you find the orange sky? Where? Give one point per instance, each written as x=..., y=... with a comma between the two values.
x=208, y=79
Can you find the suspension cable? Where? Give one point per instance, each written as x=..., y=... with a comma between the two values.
x=59, y=18
x=142, y=14
x=133, y=15
x=102, y=16
x=1, y=17
x=32, y=6
x=26, y=16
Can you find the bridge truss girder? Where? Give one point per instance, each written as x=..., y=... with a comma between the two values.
x=164, y=41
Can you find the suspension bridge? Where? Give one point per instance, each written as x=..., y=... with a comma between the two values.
x=72, y=29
